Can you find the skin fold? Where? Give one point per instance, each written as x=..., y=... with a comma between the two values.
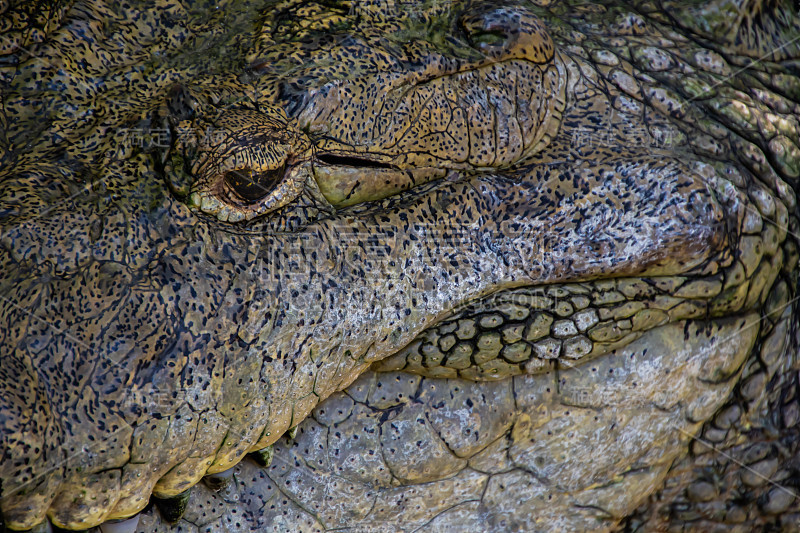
x=372, y=266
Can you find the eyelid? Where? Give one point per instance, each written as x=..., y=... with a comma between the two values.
x=212, y=201
x=256, y=145
x=253, y=157
x=252, y=186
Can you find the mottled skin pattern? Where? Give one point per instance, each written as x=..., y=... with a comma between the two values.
x=379, y=267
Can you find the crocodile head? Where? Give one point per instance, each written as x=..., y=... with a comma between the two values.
x=489, y=266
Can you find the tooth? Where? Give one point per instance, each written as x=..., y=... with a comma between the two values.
x=263, y=456
x=42, y=527
x=121, y=526
x=172, y=509
x=220, y=480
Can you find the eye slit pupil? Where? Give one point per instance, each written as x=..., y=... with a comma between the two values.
x=252, y=186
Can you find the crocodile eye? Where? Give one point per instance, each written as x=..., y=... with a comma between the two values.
x=239, y=164
x=251, y=186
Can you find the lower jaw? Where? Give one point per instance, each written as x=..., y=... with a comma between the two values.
x=578, y=447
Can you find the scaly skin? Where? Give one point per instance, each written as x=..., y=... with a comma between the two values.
x=519, y=268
